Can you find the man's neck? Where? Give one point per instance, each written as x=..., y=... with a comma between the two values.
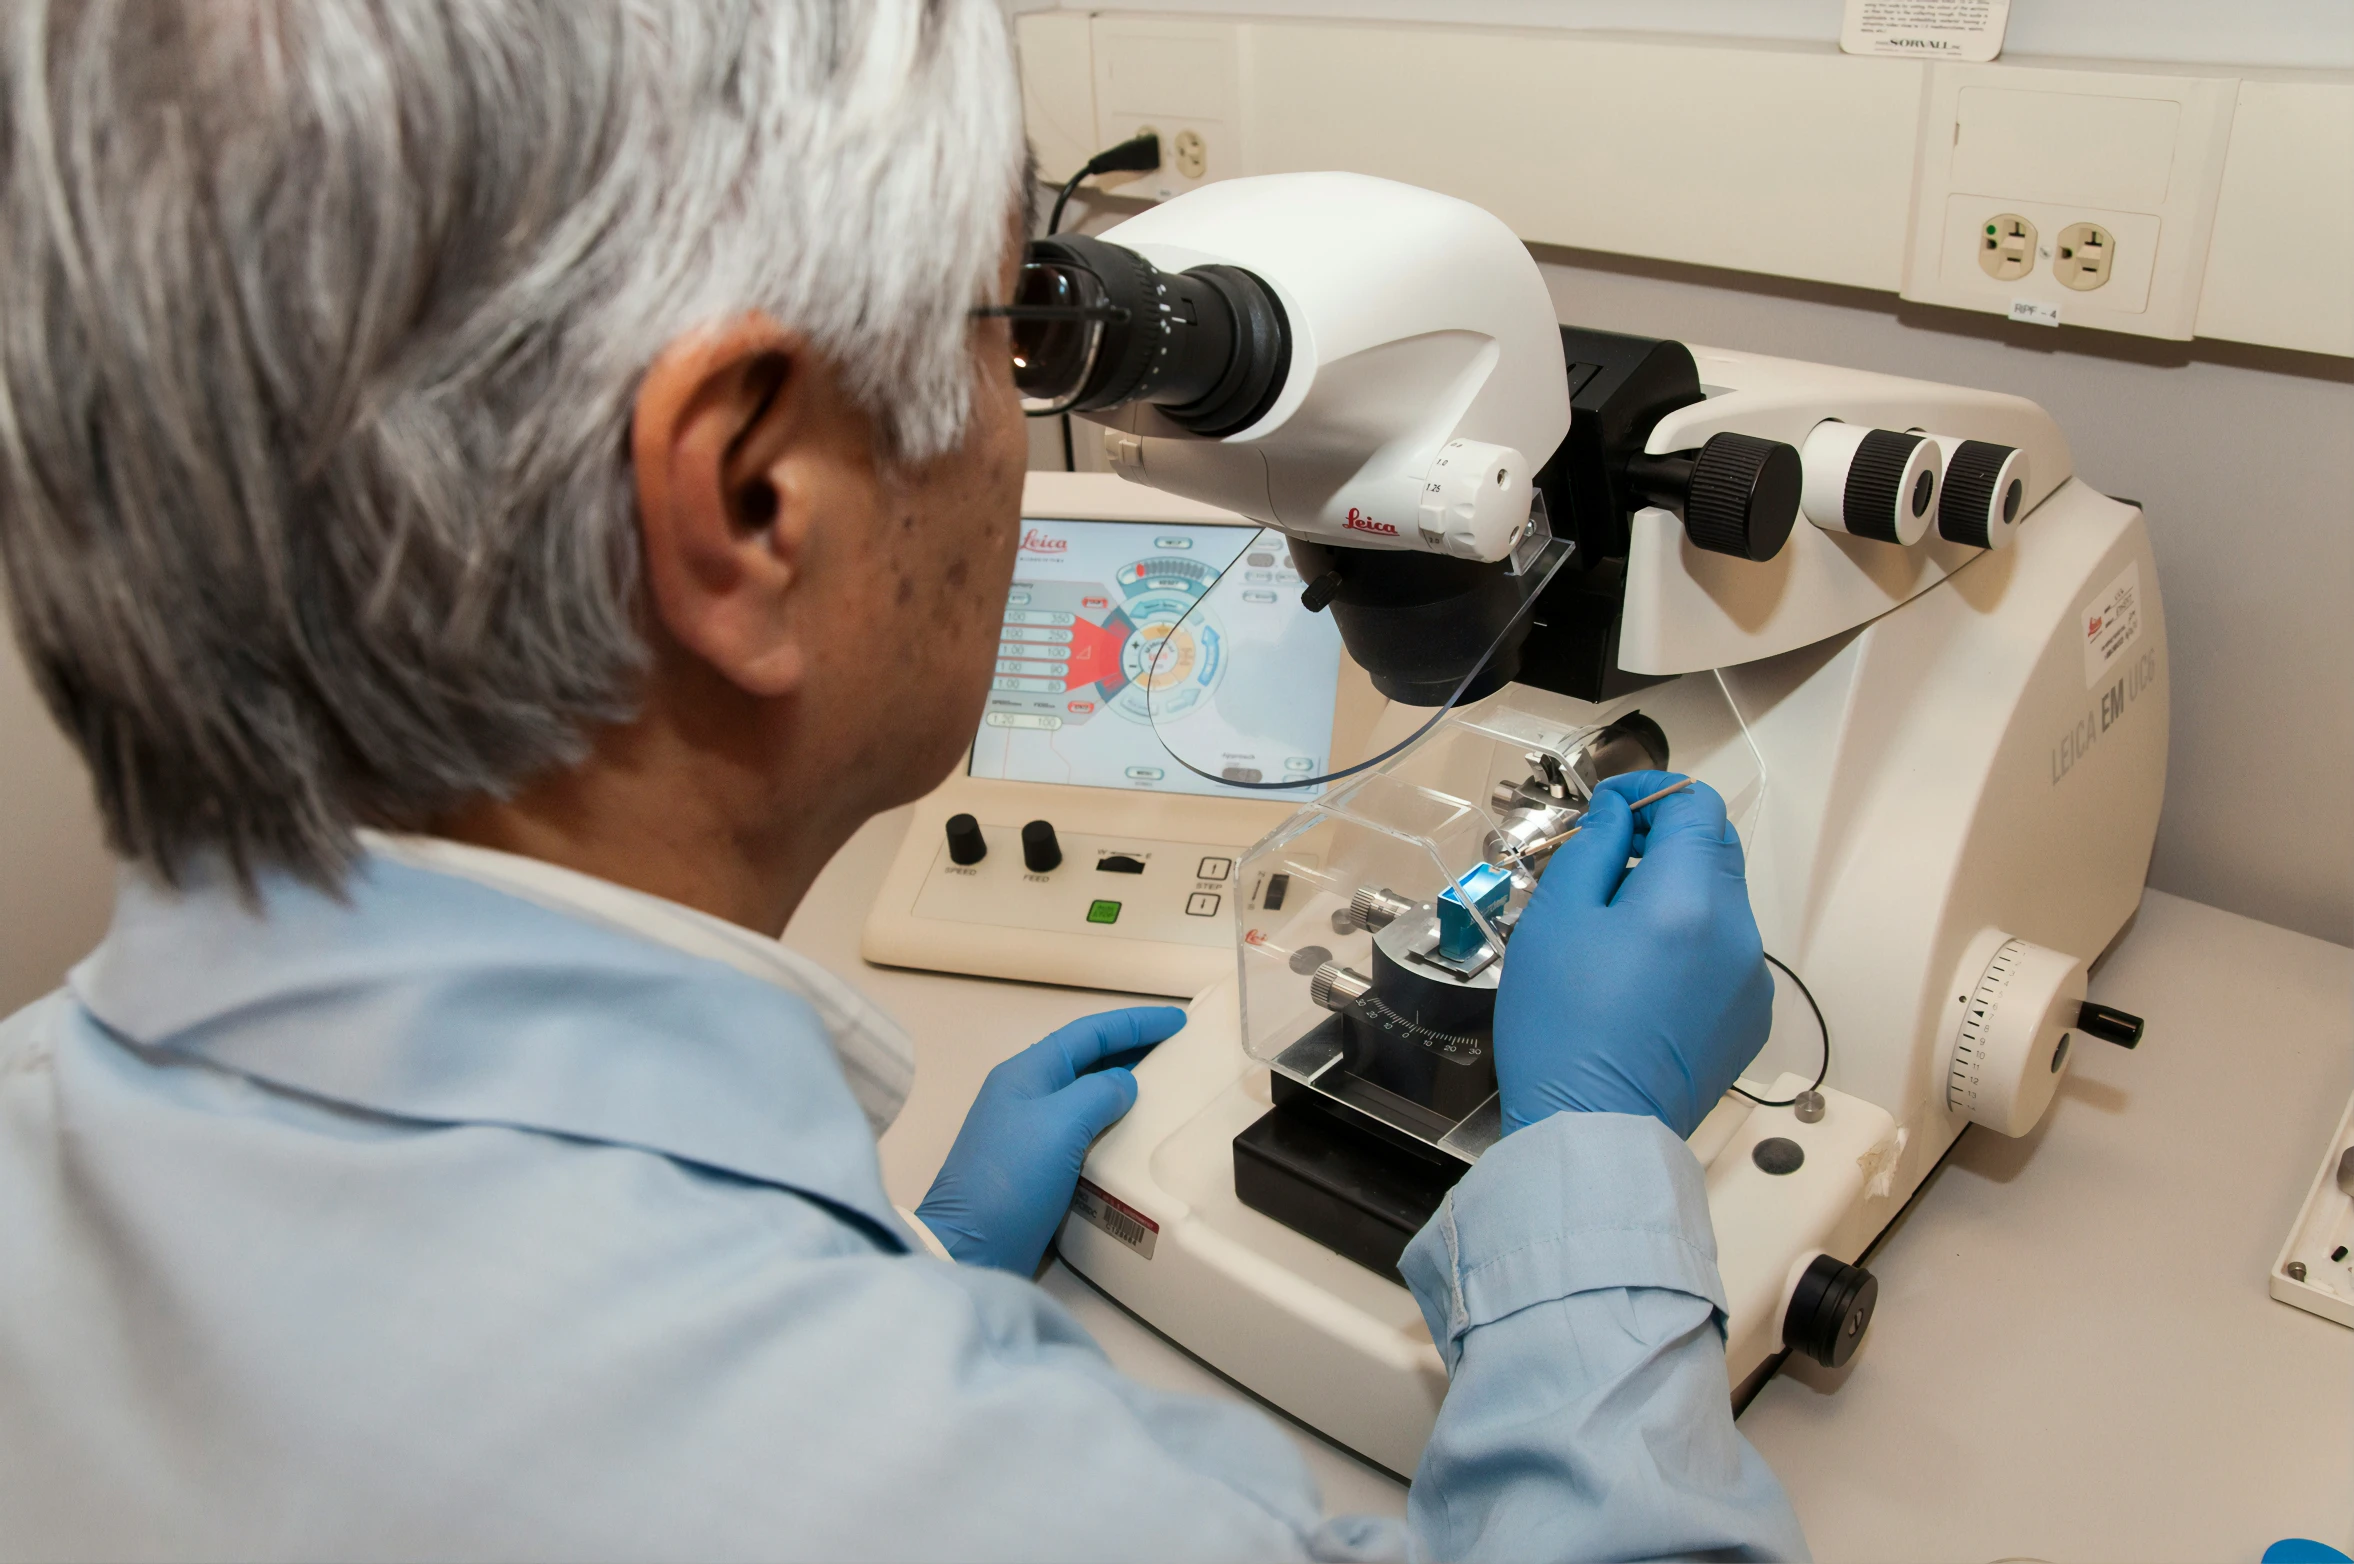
x=696, y=823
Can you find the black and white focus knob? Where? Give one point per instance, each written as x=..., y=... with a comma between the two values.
x=1871, y=483
x=1737, y=494
x=2018, y=1021
x=966, y=846
x=1984, y=493
x=1040, y=851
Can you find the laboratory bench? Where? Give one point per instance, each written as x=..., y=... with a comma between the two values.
x=2075, y=1354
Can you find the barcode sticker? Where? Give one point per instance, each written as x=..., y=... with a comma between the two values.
x=1116, y=1217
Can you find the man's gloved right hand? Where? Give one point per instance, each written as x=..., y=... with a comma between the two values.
x=1639, y=990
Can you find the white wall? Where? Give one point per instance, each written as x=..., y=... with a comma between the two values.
x=2308, y=34
x=2244, y=458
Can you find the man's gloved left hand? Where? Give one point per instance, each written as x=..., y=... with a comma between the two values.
x=1009, y=1178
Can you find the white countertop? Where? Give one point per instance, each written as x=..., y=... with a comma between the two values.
x=2075, y=1354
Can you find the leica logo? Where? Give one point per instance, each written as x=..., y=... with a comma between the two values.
x=1036, y=542
x=1360, y=522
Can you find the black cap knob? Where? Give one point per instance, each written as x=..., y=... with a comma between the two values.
x=1744, y=496
x=2109, y=1024
x=1039, y=848
x=965, y=843
x=1738, y=494
x=1830, y=1309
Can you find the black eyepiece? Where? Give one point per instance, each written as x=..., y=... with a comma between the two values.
x=1096, y=326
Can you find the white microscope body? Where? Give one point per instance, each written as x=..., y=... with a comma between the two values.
x=1944, y=744
x=1420, y=389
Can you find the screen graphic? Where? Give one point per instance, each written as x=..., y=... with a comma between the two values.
x=1091, y=605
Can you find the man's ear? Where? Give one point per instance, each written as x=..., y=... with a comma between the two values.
x=719, y=418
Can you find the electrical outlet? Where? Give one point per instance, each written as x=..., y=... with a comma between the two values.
x=2128, y=257
x=1186, y=154
x=1193, y=155
x=2009, y=250
x=2087, y=252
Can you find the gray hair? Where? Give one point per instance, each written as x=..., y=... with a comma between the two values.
x=320, y=324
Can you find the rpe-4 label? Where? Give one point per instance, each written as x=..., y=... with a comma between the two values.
x=1116, y=1217
x=2110, y=624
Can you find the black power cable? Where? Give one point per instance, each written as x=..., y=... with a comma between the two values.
x=1821, y=1024
x=1136, y=155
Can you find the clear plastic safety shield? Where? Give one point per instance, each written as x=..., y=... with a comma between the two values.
x=1374, y=926
x=1216, y=663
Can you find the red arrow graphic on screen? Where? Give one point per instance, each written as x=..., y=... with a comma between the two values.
x=1095, y=653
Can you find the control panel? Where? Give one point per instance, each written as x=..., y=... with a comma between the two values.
x=1124, y=885
x=1083, y=886
x=1073, y=848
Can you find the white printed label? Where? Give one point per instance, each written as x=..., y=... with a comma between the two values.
x=2111, y=623
x=2034, y=313
x=1116, y=1217
x=1926, y=29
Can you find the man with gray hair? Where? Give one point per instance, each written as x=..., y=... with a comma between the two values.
x=466, y=469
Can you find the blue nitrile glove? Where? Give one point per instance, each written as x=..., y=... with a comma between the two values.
x=1009, y=1177
x=1639, y=990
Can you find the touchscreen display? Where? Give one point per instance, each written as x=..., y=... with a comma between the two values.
x=1249, y=679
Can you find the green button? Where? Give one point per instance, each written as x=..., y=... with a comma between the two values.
x=1103, y=912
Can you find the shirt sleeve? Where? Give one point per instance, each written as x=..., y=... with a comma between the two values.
x=1570, y=1282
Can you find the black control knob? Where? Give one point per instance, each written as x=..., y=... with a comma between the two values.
x=1985, y=487
x=965, y=844
x=1039, y=848
x=1737, y=494
x=2109, y=1024
x=1830, y=1309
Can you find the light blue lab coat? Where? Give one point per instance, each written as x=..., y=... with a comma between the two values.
x=434, y=1222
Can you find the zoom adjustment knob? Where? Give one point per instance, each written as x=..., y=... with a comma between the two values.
x=1040, y=851
x=1475, y=500
x=965, y=843
x=1737, y=494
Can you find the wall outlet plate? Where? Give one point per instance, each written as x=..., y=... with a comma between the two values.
x=2136, y=158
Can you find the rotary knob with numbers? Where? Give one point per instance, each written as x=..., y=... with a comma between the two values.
x=1475, y=500
x=2018, y=1020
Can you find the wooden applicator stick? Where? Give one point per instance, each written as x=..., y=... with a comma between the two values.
x=1551, y=842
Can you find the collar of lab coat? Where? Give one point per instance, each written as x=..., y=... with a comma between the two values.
x=878, y=1058
x=425, y=995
